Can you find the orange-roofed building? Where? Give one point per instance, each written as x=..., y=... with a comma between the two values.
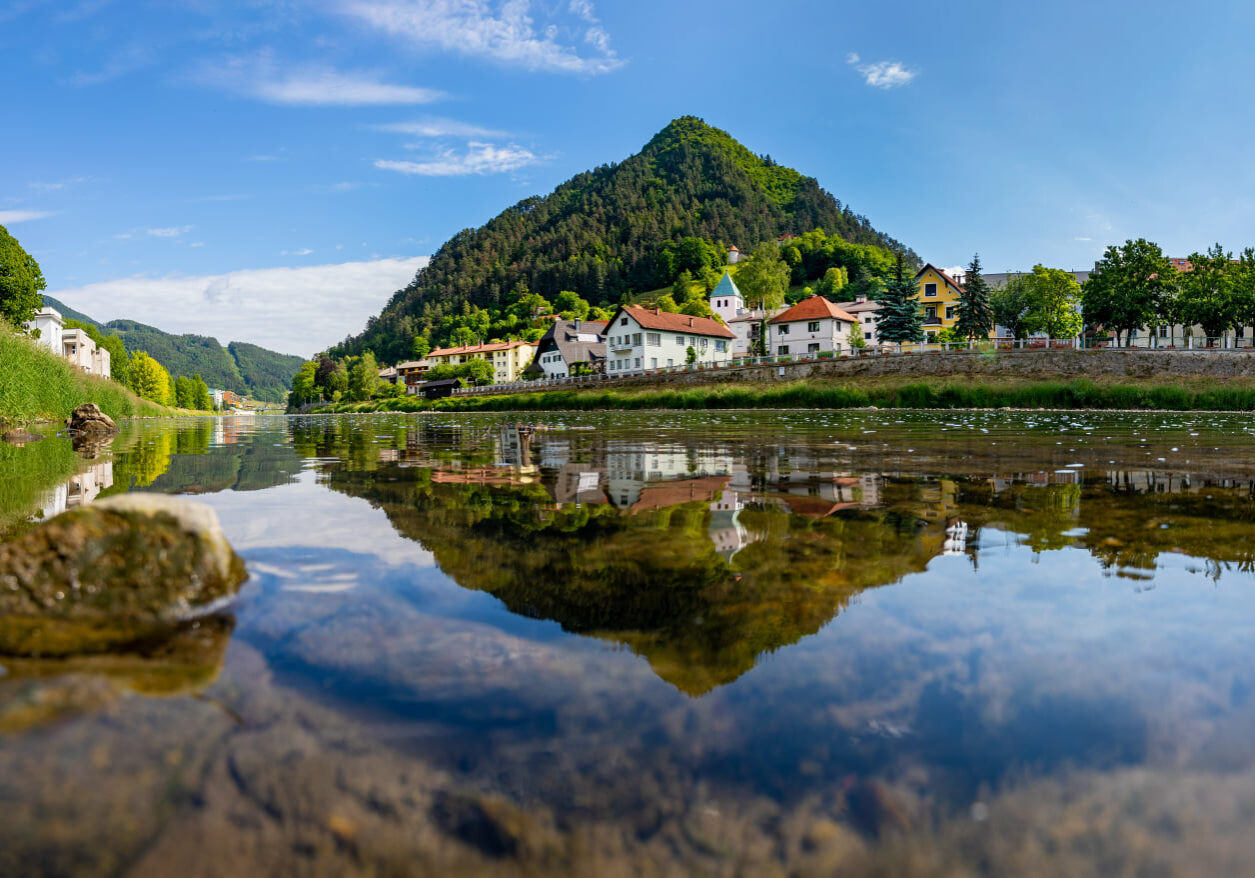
x=508, y=358
x=640, y=339
x=812, y=326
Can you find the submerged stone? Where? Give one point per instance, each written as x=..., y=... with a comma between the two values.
x=111, y=575
x=20, y=436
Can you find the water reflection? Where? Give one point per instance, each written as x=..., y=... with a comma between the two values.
x=678, y=643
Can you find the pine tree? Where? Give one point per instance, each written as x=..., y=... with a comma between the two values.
x=976, y=314
x=900, y=318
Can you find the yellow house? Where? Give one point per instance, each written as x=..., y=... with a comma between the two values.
x=939, y=298
x=508, y=358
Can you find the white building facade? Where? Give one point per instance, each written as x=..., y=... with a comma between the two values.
x=812, y=326
x=74, y=345
x=643, y=339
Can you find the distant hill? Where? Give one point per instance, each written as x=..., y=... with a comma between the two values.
x=602, y=233
x=243, y=368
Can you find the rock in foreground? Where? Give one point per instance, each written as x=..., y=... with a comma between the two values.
x=121, y=572
x=88, y=418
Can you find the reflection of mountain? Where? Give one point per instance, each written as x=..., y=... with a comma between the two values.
x=655, y=575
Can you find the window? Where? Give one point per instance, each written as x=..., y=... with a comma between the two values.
x=930, y=290
x=638, y=362
x=705, y=343
x=653, y=362
x=679, y=339
x=867, y=320
x=722, y=346
x=653, y=338
x=812, y=348
x=783, y=349
x=931, y=312
x=950, y=312
x=813, y=326
x=1163, y=332
x=931, y=337
x=783, y=329
x=623, y=322
x=670, y=363
x=636, y=338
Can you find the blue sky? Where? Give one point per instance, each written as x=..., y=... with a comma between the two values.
x=273, y=171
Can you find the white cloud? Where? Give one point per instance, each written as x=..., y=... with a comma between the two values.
x=260, y=77
x=170, y=231
x=852, y=58
x=433, y=126
x=885, y=74
x=304, y=252
x=8, y=217
x=503, y=32
x=57, y=184
x=293, y=310
x=1082, y=238
x=479, y=158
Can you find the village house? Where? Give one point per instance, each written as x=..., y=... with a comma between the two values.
x=867, y=312
x=412, y=374
x=939, y=298
x=746, y=323
x=74, y=345
x=812, y=326
x=640, y=338
x=570, y=347
x=508, y=358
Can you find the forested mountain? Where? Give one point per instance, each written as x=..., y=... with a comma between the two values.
x=605, y=233
x=243, y=368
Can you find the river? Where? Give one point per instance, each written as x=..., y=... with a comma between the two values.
x=867, y=642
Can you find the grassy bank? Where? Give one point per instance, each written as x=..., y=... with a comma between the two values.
x=1199, y=395
x=36, y=385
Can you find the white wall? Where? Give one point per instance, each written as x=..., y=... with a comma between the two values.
x=632, y=349
x=828, y=334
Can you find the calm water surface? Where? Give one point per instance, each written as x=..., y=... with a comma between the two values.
x=663, y=643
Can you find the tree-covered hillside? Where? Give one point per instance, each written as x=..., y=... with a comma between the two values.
x=611, y=231
x=242, y=368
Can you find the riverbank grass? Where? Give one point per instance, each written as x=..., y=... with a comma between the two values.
x=36, y=385
x=1151, y=395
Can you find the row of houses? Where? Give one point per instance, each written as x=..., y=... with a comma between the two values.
x=74, y=345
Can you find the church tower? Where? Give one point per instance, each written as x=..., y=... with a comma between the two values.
x=726, y=300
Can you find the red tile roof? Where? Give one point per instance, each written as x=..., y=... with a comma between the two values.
x=479, y=348
x=814, y=308
x=652, y=318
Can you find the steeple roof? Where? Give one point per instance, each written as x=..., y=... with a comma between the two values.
x=725, y=287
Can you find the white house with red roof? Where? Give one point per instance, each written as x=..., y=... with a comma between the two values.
x=812, y=326
x=641, y=339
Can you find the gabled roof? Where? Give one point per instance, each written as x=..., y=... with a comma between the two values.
x=858, y=307
x=947, y=278
x=565, y=339
x=725, y=287
x=652, y=318
x=479, y=348
x=814, y=308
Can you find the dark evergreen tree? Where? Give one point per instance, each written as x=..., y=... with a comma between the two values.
x=976, y=312
x=900, y=319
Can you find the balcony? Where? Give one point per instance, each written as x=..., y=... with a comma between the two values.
x=932, y=321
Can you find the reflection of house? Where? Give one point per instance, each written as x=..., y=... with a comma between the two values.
x=726, y=530
x=570, y=345
x=74, y=345
x=81, y=489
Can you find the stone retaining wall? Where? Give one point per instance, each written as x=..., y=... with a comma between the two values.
x=1127, y=363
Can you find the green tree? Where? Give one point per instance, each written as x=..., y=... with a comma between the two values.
x=21, y=282
x=682, y=288
x=304, y=385
x=690, y=355
x=1054, y=299
x=976, y=315
x=480, y=372
x=201, y=400
x=1011, y=306
x=900, y=317
x=420, y=346
x=149, y=379
x=119, y=360
x=666, y=303
x=857, y=341
x=184, y=393
x=833, y=282
x=1207, y=292
x=570, y=305
x=764, y=277
x=363, y=377
x=1127, y=287
x=1244, y=288
x=697, y=308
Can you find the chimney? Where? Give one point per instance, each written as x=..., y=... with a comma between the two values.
x=690, y=321
x=577, y=324
x=860, y=298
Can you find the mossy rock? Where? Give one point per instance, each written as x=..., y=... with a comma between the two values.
x=121, y=573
